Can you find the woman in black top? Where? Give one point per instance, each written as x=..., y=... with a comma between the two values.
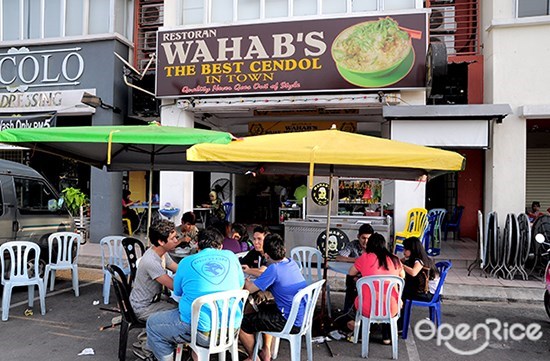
x=419, y=269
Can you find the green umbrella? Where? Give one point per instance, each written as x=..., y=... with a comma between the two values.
x=121, y=148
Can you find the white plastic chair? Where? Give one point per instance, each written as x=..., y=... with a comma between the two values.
x=66, y=246
x=112, y=252
x=226, y=307
x=311, y=293
x=380, y=308
x=306, y=257
x=21, y=256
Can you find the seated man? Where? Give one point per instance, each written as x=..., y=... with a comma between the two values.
x=146, y=296
x=355, y=248
x=253, y=262
x=283, y=279
x=193, y=280
x=188, y=230
x=350, y=253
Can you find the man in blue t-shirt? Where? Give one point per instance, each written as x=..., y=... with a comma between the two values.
x=208, y=271
x=283, y=279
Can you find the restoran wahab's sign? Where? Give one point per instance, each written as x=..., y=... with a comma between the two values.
x=354, y=53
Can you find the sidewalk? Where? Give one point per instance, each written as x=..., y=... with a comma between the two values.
x=458, y=286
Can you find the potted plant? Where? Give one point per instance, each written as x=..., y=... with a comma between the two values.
x=74, y=199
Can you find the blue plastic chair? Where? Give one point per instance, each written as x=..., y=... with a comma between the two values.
x=227, y=207
x=453, y=224
x=433, y=233
x=434, y=305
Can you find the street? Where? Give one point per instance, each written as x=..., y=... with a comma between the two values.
x=72, y=324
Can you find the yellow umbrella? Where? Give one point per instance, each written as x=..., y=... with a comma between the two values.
x=329, y=152
x=349, y=155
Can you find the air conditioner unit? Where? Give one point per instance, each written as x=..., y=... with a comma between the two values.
x=448, y=40
x=152, y=14
x=149, y=40
x=442, y=19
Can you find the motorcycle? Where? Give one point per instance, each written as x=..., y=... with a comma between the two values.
x=541, y=239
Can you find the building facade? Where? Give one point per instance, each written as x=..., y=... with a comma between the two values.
x=487, y=103
x=52, y=53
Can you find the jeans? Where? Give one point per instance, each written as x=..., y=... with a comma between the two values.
x=165, y=331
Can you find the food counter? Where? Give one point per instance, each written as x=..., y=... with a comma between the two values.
x=311, y=232
x=355, y=201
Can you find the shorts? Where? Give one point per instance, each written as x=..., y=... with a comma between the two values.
x=268, y=318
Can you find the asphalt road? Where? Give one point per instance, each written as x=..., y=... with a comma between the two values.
x=72, y=324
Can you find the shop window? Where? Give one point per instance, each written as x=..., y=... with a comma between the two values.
x=37, y=19
x=276, y=8
x=334, y=7
x=527, y=8
x=193, y=11
x=364, y=5
x=222, y=11
x=248, y=9
x=32, y=20
x=99, y=12
x=399, y=4
x=10, y=23
x=73, y=17
x=305, y=7
x=52, y=12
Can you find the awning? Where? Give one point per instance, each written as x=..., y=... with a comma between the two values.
x=467, y=126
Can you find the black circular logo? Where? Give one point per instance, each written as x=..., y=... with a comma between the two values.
x=336, y=241
x=319, y=194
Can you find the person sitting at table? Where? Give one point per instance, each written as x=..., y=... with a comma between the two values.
x=254, y=263
x=239, y=232
x=188, y=229
x=284, y=279
x=419, y=269
x=229, y=243
x=166, y=329
x=356, y=248
x=216, y=205
x=376, y=260
x=128, y=212
x=147, y=296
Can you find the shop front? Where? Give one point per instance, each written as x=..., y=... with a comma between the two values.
x=303, y=75
x=43, y=84
x=285, y=76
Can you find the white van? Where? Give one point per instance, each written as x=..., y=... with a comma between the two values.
x=30, y=209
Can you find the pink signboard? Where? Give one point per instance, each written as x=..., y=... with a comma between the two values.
x=347, y=54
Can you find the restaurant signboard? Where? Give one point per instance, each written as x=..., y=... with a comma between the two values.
x=344, y=54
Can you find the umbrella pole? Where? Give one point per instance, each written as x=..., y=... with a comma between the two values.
x=150, y=197
x=325, y=259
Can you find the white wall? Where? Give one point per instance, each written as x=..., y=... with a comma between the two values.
x=517, y=72
x=407, y=194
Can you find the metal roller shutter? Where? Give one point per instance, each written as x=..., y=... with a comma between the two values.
x=538, y=177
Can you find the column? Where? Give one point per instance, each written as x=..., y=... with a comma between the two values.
x=177, y=187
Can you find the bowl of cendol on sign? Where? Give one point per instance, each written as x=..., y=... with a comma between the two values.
x=372, y=48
